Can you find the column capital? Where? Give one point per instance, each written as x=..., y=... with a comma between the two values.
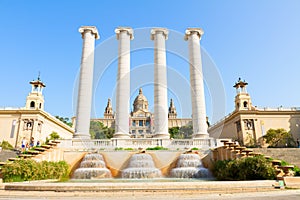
x=190, y=31
x=129, y=31
x=164, y=31
x=93, y=29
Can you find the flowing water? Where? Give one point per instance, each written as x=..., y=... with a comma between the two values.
x=141, y=166
x=190, y=166
x=92, y=166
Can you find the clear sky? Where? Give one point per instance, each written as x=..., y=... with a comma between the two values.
x=256, y=40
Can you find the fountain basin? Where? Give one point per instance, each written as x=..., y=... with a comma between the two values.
x=89, y=173
x=190, y=166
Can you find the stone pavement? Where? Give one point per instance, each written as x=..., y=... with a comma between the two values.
x=5, y=154
x=140, y=189
x=274, y=195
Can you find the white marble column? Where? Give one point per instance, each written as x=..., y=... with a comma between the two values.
x=193, y=35
x=84, y=102
x=159, y=35
x=124, y=35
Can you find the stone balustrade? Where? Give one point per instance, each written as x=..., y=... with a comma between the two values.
x=203, y=143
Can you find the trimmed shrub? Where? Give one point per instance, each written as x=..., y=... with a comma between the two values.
x=157, y=148
x=6, y=145
x=250, y=168
x=26, y=170
x=296, y=169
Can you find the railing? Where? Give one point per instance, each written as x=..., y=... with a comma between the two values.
x=205, y=143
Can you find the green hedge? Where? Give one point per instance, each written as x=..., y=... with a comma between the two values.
x=295, y=169
x=250, y=168
x=157, y=148
x=26, y=170
x=6, y=145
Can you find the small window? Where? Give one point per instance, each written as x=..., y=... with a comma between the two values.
x=14, y=122
x=39, y=128
x=40, y=106
x=141, y=123
x=32, y=104
x=238, y=126
x=245, y=104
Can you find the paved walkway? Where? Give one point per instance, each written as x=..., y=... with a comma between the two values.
x=252, y=190
x=274, y=195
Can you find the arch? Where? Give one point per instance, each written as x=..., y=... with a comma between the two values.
x=32, y=104
x=245, y=104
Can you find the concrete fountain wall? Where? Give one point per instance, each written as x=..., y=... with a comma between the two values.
x=116, y=161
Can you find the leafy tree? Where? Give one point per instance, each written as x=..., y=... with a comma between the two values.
x=181, y=132
x=53, y=136
x=279, y=138
x=99, y=131
x=65, y=120
x=174, y=131
x=186, y=131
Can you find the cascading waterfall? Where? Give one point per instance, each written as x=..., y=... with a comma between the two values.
x=92, y=166
x=141, y=166
x=190, y=166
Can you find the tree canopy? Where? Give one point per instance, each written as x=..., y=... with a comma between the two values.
x=279, y=138
x=65, y=120
x=183, y=132
x=99, y=131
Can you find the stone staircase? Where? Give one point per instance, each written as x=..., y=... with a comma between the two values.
x=230, y=151
x=290, y=155
x=49, y=152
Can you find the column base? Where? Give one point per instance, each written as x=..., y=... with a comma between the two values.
x=121, y=135
x=200, y=136
x=162, y=135
x=82, y=136
x=80, y=143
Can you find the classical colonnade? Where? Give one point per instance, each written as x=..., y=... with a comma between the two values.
x=159, y=36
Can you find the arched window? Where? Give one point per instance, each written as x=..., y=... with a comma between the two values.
x=245, y=104
x=40, y=106
x=32, y=104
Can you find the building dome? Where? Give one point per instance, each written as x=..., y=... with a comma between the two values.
x=140, y=102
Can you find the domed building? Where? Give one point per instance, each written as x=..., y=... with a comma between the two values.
x=141, y=119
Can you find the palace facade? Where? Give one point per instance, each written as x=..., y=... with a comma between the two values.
x=141, y=119
x=31, y=121
x=248, y=124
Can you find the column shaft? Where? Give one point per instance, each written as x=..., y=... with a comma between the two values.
x=197, y=86
x=124, y=35
x=84, y=101
x=160, y=84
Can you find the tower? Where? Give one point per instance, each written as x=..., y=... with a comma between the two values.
x=172, y=110
x=108, y=113
x=242, y=98
x=35, y=99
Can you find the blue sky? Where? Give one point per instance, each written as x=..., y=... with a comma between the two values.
x=256, y=40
